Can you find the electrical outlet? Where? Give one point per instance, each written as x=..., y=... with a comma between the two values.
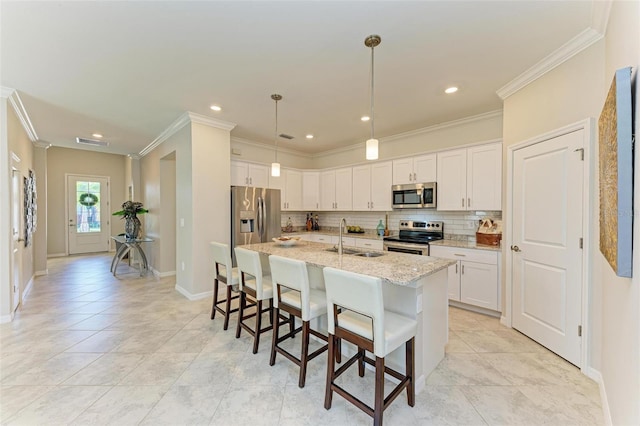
x=183, y=266
x=181, y=222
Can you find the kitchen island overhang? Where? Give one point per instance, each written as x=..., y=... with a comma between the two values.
x=413, y=286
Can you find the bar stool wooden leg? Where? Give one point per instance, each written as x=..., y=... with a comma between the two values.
x=379, y=393
x=305, y=352
x=243, y=301
x=227, y=308
x=256, y=337
x=361, y=362
x=328, y=395
x=275, y=313
x=215, y=299
x=410, y=371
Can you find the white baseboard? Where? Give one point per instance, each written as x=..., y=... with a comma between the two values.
x=594, y=374
x=56, y=255
x=6, y=318
x=159, y=274
x=41, y=273
x=476, y=309
x=27, y=289
x=503, y=321
x=190, y=296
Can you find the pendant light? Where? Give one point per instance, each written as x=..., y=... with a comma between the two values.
x=371, y=149
x=275, y=166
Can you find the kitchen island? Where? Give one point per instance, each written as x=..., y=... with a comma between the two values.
x=413, y=286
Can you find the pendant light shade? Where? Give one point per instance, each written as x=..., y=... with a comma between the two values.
x=371, y=147
x=275, y=166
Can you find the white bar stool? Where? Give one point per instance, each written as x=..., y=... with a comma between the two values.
x=363, y=321
x=300, y=301
x=222, y=261
x=257, y=285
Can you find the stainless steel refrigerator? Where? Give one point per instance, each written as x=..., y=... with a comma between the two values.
x=255, y=216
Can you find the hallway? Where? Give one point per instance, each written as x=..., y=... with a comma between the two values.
x=88, y=348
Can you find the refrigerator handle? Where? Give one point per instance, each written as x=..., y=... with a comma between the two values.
x=261, y=219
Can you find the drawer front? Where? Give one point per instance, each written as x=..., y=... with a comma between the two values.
x=368, y=244
x=322, y=238
x=472, y=255
x=346, y=241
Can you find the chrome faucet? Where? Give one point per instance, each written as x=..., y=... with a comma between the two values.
x=343, y=222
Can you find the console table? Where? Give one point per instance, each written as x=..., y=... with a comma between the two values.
x=126, y=245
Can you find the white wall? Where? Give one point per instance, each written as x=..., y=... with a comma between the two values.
x=620, y=356
x=61, y=161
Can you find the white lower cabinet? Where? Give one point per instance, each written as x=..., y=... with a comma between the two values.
x=473, y=279
x=368, y=244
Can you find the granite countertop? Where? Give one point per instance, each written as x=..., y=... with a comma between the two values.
x=465, y=244
x=396, y=268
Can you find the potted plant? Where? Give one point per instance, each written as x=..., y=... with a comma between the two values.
x=130, y=211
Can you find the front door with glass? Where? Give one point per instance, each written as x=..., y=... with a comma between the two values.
x=88, y=216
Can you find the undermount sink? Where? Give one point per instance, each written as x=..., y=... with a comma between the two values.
x=344, y=250
x=369, y=254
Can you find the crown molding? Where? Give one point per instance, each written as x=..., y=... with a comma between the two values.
x=179, y=123
x=265, y=145
x=40, y=144
x=600, y=11
x=21, y=112
x=565, y=52
x=212, y=122
x=417, y=132
x=5, y=92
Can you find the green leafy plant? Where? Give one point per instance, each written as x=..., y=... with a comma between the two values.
x=131, y=208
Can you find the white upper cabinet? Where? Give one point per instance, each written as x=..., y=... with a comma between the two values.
x=290, y=185
x=249, y=174
x=310, y=190
x=372, y=187
x=415, y=169
x=336, y=190
x=470, y=178
x=484, y=177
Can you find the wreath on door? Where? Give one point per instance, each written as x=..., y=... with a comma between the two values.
x=88, y=200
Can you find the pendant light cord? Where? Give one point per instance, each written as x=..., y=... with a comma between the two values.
x=275, y=136
x=372, y=47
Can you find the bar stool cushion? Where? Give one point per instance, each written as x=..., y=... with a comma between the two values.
x=222, y=256
x=397, y=328
x=317, y=301
x=267, y=286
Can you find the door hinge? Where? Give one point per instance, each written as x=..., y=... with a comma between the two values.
x=581, y=242
x=579, y=331
x=581, y=153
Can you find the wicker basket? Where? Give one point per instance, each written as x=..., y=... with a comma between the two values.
x=488, y=239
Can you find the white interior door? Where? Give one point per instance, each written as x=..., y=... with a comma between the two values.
x=88, y=214
x=16, y=229
x=547, y=231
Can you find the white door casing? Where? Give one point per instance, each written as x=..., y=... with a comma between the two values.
x=547, y=231
x=16, y=230
x=88, y=228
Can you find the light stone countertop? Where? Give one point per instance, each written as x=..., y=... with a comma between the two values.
x=396, y=268
x=465, y=244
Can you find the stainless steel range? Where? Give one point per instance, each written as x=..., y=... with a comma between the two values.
x=414, y=237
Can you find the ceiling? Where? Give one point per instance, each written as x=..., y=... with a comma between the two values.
x=127, y=70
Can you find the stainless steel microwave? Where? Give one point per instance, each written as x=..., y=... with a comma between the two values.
x=414, y=196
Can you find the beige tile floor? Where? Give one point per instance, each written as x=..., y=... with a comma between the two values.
x=87, y=348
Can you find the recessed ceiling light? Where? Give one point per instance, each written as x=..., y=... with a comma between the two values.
x=365, y=118
x=216, y=108
x=309, y=136
x=97, y=135
x=451, y=90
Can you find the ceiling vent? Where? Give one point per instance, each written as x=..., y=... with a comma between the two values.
x=93, y=142
x=284, y=135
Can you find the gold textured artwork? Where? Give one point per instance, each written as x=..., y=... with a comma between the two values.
x=616, y=175
x=609, y=179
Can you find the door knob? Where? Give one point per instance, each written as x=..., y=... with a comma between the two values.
x=516, y=249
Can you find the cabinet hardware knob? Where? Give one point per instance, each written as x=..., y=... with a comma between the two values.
x=468, y=202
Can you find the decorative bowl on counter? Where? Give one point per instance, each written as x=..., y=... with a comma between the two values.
x=286, y=241
x=355, y=230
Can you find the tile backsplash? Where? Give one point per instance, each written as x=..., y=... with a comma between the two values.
x=457, y=225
